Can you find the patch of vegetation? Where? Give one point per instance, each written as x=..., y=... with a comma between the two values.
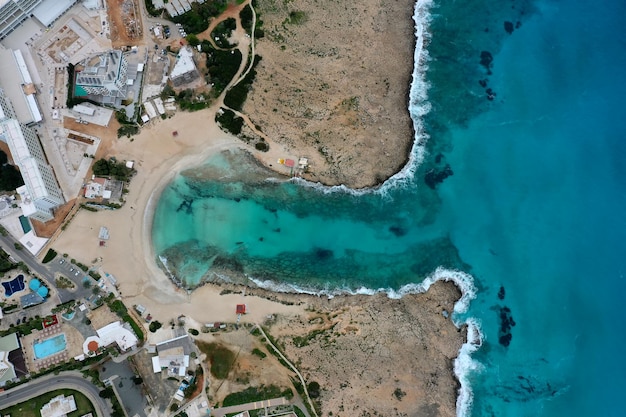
x=65, y=307
x=154, y=326
x=32, y=407
x=112, y=168
x=313, y=389
x=221, y=358
x=298, y=412
x=222, y=67
x=120, y=309
x=236, y=96
x=223, y=31
x=152, y=11
x=127, y=130
x=63, y=282
x=188, y=100
x=398, y=393
x=259, y=353
x=194, y=332
x=24, y=328
x=5, y=262
x=50, y=255
x=10, y=177
x=262, y=146
x=252, y=394
x=229, y=121
x=296, y=17
x=197, y=19
x=193, y=41
x=301, y=341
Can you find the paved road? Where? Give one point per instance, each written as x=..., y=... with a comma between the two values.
x=45, y=272
x=70, y=380
x=221, y=412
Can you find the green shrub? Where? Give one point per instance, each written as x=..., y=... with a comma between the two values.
x=50, y=255
x=229, y=121
x=259, y=353
x=221, y=358
x=262, y=146
x=154, y=326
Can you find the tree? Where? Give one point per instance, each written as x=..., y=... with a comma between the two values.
x=314, y=389
x=137, y=380
x=193, y=40
x=101, y=168
x=106, y=393
x=154, y=326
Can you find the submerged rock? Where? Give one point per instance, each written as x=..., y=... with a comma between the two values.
x=435, y=177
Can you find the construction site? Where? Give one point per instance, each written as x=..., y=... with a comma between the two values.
x=125, y=22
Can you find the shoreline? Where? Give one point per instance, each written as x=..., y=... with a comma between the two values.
x=143, y=282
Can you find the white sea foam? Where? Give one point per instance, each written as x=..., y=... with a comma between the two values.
x=463, y=364
x=418, y=107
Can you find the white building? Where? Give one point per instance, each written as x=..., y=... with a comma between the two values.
x=41, y=193
x=18, y=86
x=59, y=406
x=116, y=333
x=104, y=75
x=184, y=69
x=14, y=12
x=173, y=360
x=8, y=344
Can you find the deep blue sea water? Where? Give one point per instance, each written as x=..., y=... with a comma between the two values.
x=535, y=206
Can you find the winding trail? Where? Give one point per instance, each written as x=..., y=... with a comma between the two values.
x=306, y=392
x=248, y=54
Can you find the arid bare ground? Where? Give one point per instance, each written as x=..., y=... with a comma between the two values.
x=373, y=355
x=333, y=81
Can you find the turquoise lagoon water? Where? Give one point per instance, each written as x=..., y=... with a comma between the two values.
x=49, y=347
x=534, y=210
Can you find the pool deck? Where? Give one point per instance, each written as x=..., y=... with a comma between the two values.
x=74, y=346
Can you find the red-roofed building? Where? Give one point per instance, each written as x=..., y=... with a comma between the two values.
x=241, y=309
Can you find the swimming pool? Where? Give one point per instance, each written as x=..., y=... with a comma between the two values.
x=50, y=346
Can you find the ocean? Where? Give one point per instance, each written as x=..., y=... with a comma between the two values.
x=518, y=194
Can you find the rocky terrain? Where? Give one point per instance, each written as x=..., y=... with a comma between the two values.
x=333, y=85
x=371, y=355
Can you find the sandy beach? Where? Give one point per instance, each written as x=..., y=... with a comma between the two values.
x=128, y=256
x=365, y=159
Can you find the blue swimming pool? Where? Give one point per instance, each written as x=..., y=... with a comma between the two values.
x=50, y=346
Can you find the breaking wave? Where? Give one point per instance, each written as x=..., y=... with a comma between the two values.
x=463, y=364
x=418, y=107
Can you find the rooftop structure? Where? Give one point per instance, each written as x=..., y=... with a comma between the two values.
x=103, y=75
x=175, y=7
x=116, y=333
x=13, y=13
x=18, y=87
x=8, y=344
x=184, y=69
x=50, y=10
x=41, y=193
x=59, y=406
x=173, y=359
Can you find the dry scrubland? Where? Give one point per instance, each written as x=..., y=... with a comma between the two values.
x=333, y=82
x=371, y=355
